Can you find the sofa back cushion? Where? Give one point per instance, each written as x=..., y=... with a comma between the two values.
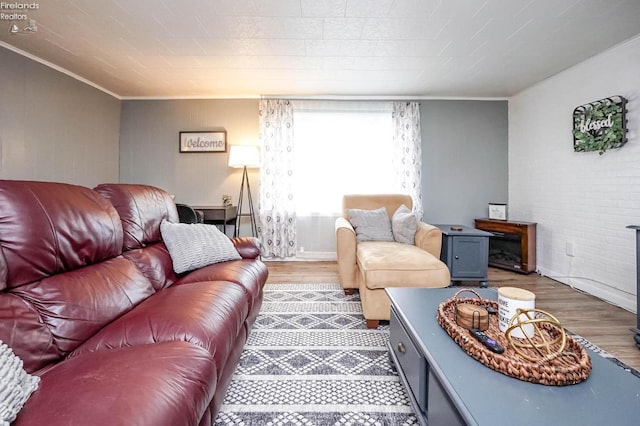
x=390, y=202
x=48, y=228
x=62, y=274
x=142, y=208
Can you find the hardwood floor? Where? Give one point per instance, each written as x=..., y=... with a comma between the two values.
x=603, y=324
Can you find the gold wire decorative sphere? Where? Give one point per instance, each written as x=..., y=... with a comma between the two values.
x=548, y=340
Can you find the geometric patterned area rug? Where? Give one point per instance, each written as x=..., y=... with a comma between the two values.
x=310, y=360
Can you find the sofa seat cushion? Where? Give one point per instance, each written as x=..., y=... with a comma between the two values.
x=249, y=275
x=207, y=314
x=391, y=264
x=169, y=383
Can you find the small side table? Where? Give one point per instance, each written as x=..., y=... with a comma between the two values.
x=465, y=250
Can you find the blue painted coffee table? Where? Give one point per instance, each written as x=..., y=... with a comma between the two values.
x=448, y=387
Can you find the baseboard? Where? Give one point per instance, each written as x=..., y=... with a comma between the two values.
x=607, y=294
x=317, y=255
x=308, y=256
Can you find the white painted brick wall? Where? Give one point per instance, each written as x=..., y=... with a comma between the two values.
x=582, y=198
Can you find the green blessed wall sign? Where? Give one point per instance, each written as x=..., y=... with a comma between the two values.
x=600, y=125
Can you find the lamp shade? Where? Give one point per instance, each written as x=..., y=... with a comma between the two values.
x=244, y=155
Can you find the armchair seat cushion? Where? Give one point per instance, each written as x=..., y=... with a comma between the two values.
x=391, y=264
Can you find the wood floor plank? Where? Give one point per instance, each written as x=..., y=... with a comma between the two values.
x=603, y=324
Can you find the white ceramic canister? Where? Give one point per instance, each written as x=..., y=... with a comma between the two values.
x=510, y=299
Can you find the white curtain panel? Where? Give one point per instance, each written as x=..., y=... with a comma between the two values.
x=408, y=153
x=277, y=216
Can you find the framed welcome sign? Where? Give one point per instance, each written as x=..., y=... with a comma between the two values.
x=600, y=125
x=203, y=141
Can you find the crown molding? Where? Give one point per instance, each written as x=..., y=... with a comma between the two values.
x=58, y=68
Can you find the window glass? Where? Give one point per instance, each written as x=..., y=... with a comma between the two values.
x=341, y=152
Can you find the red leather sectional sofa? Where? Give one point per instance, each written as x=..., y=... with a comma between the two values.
x=89, y=301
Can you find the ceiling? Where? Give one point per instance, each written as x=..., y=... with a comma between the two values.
x=375, y=48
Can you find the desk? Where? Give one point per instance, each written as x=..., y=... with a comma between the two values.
x=218, y=215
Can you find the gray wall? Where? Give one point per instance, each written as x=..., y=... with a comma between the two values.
x=53, y=127
x=464, y=159
x=149, y=151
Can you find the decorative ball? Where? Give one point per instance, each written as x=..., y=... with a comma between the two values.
x=547, y=341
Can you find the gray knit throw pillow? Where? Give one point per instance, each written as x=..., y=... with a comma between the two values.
x=371, y=225
x=16, y=386
x=194, y=245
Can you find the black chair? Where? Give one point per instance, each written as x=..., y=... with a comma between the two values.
x=187, y=214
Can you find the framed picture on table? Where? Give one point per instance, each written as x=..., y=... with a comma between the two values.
x=497, y=211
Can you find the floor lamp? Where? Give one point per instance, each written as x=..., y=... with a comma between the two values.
x=243, y=157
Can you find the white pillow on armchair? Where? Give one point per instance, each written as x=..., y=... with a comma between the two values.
x=404, y=225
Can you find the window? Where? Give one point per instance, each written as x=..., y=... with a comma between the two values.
x=341, y=147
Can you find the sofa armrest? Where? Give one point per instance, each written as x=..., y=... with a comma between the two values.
x=346, y=253
x=429, y=238
x=247, y=247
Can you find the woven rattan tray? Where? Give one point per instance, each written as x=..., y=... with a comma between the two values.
x=572, y=366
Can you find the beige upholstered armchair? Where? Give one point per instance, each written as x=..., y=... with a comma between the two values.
x=371, y=266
